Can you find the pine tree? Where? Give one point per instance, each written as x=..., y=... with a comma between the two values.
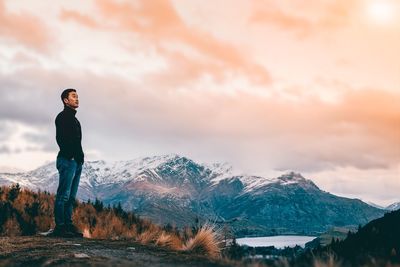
x=14, y=192
x=168, y=227
x=235, y=251
x=98, y=205
x=118, y=209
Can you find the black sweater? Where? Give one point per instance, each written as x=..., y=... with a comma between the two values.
x=69, y=135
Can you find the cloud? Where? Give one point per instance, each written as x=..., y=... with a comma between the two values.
x=367, y=185
x=187, y=50
x=300, y=25
x=27, y=101
x=24, y=29
x=73, y=15
x=24, y=146
x=360, y=129
x=305, y=19
x=43, y=140
x=4, y=149
x=355, y=136
x=5, y=131
x=18, y=137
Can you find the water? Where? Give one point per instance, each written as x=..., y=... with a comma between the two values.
x=279, y=241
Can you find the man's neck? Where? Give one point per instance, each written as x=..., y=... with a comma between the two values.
x=71, y=109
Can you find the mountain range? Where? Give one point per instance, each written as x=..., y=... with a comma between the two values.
x=174, y=189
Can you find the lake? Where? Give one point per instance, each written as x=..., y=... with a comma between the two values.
x=279, y=241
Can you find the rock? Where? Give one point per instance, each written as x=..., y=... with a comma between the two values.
x=81, y=255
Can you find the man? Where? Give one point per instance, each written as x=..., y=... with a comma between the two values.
x=70, y=159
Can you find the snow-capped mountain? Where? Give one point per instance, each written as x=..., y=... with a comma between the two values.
x=174, y=189
x=394, y=206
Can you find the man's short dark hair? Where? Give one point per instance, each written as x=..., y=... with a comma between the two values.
x=65, y=94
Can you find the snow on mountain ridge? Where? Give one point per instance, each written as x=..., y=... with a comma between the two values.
x=102, y=172
x=123, y=171
x=95, y=172
x=394, y=206
x=220, y=171
x=375, y=205
x=252, y=183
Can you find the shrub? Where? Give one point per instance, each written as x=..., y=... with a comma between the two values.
x=206, y=241
x=169, y=240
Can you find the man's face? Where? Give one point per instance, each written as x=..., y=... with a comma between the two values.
x=72, y=100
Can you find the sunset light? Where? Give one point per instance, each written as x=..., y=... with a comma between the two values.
x=382, y=11
x=268, y=86
x=262, y=131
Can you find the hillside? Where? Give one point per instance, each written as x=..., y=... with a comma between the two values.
x=379, y=238
x=375, y=244
x=42, y=251
x=27, y=213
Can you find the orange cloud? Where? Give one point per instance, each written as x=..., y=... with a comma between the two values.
x=378, y=112
x=78, y=17
x=305, y=18
x=279, y=18
x=158, y=23
x=362, y=130
x=24, y=28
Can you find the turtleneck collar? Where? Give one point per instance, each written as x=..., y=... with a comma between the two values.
x=70, y=110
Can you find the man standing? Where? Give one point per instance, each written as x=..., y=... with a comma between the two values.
x=69, y=164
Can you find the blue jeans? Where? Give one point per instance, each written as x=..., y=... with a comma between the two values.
x=69, y=176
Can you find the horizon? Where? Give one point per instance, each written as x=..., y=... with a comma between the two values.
x=235, y=171
x=268, y=86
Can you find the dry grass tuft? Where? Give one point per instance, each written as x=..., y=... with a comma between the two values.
x=169, y=240
x=329, y=262
x=86, y=233
x=149, y=236
x=206, y=242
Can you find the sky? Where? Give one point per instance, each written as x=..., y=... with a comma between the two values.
x=267, y=86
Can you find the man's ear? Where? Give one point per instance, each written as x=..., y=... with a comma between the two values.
x=65, y=100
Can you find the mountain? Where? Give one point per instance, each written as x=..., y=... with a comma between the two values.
x=297, y=204
x=375, y=205
x=174, y=189
x=394, y=206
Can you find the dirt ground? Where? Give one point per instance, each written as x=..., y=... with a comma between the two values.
x=47, y=251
